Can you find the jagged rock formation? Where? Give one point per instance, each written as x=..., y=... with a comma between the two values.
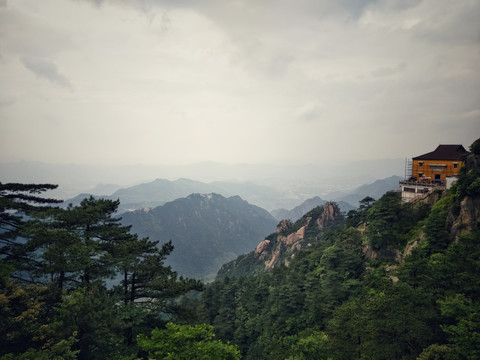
x=289, y=240
x=281, y=246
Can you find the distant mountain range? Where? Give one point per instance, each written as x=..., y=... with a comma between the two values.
x=346, y=201
x=206, y=230
x=376, y=190
x=293, y=182
x=160, y=191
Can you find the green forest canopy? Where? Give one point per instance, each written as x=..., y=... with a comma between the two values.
x=75, y=284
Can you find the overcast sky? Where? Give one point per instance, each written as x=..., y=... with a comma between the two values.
x=177, y=82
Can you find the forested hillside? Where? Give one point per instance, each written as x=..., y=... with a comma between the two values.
x=206, y=230
x=391, y=280
x=398, y=281
x=54, y=300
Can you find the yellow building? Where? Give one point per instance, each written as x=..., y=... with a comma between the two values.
x=431, y=170
x=435, y=166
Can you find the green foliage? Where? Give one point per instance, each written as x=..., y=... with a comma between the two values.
x=435, y=226
x=186, y=342
x=383, y=222
x=206, y=230
x=464, y=331
x=264, y=313
x=315, y=229
x=331, y=299
x=469, y=183
x=329, y=303
x=437, y=352
x=22, y=316
x=389, y=222
x=96, y=319
x=68, y=256
x=313, y=345
x=17, y=203
x=57, y=351
x=356, y=217
x=475, y=147
x=366, y=203
x=25, y=323
x=390, y=323
x=77, y=245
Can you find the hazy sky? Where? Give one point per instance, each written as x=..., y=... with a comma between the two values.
x=297, y=81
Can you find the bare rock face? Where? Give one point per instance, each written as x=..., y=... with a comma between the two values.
x=467, y=219
x=262, y=249
x=284, y=225
x=392, y=254
x=330, y=214
x=287, y=241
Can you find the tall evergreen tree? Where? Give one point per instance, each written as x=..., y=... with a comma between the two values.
x=18, y=202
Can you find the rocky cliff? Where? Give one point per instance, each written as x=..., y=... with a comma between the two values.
x=465, y=214
x=289, y=239
x=281, y=246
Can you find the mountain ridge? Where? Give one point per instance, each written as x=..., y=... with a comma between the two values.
x=159, y=191
x=206, y=230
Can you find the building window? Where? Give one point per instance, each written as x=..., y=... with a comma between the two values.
x=420, y=175
x=420, y=163
x=455, y=165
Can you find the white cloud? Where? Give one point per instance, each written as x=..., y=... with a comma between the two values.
x=183, y=81
x=45, y=68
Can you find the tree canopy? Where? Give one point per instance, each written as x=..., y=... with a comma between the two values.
x=75, y=282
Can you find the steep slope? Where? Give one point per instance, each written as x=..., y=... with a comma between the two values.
x=281, y=246
x=465, y=214
x=207, y=230
x=401, y=283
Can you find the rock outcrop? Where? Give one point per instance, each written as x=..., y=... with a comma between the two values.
x=465, y=215
x=289, y=238
x=281, y=246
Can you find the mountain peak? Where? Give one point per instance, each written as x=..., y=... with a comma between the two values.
x=206, y=230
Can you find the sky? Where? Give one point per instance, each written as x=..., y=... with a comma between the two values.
x=236, y=81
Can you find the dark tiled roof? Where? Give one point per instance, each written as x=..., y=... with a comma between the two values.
x=444, y=152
